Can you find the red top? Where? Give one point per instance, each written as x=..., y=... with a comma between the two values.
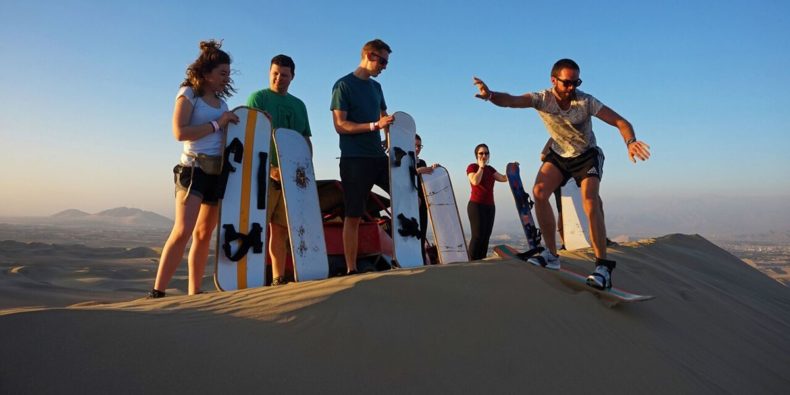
x=483, y=193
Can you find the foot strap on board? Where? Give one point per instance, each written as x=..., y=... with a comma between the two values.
x=235, y=148
x=263, y=179
x=252, y=239
x=408, y=226
x=399, y=154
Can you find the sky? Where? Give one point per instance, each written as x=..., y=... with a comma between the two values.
x=89, y=87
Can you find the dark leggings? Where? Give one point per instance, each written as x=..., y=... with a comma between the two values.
x=481, y=220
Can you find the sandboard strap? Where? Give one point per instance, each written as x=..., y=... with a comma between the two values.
x=237, y=149
x=263, y=179
x=399, y=154
x=413, y=169
x=252, y=239
x=408, y=226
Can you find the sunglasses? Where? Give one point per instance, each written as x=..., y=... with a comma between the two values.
x=569, y=83
x=483, y=153
x=381, y=60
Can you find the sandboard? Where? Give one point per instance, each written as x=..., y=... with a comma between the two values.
x=524, y=207
x=577, y=280
x=403, y=192
x=575, y=229
x=241, y=230
x=448, y=231
x=305, y=225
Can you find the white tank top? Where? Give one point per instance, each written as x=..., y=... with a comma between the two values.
x=202, y=113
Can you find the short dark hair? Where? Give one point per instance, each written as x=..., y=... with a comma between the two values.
x=417, y=137
x=375, y=45
x=563, y=64
x=284, y=61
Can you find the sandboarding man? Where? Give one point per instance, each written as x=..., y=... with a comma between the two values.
x=285, y=111
x=422, y=168
x=359, y=112
x=567, y=113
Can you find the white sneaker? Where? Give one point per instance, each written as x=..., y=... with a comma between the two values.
x=546, y=259
x=601, y=278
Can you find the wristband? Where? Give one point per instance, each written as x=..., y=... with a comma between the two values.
x=372, y=126
x=215, y=125
x=631, y=140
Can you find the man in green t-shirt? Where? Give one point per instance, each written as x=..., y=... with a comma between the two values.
x=359, y=113
x=286, y=111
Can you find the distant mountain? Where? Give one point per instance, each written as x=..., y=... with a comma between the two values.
x=124, y=216
x=70, y=213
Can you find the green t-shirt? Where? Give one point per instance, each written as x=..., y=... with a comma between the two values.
x=363, y=102
x=287, y=111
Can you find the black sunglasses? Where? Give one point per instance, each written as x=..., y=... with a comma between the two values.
x=569, y=83
x=483, y=153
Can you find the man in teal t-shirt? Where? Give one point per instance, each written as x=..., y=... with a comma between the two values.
x=359, y=113
x=286, y=111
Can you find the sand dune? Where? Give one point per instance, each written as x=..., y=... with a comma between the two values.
x=717, y=325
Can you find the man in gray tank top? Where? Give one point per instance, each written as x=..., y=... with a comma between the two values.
x=567, y=113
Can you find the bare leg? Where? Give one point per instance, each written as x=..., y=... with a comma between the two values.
x=547, y=181
x=277, y=249
x=186, y=216
x=594, y=210
x=201, y=243
x=350, y=241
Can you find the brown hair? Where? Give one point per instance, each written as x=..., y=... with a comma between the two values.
x=374, y=46
x=210, y=57
x=480, y=146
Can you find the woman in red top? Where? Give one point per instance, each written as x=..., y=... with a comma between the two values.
x=481, y=207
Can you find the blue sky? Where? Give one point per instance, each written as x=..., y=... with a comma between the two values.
x=89, y=87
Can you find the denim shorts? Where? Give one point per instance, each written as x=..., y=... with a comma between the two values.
x=196, y=182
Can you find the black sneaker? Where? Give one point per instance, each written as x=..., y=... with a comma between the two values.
x=154, y=294
x=278, y=281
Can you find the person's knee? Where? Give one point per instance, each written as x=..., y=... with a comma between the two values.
x=541, y=193
x=202, y=233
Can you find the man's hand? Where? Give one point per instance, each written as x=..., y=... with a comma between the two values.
x=638, y=149
x=485, y=93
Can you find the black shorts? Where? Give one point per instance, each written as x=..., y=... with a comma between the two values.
x=358, y=176
x=197, y=182
x=588, y=164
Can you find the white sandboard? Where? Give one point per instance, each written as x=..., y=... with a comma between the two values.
x=243, y=208
x=574, y=220
x=305, y=225
x=403, y=192
x=445, y=220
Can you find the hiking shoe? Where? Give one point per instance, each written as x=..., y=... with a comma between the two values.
x=154, y=294
x=546, y=259
x=601, y=278
x=278, y=281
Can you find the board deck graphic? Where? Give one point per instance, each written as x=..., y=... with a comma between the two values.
x=403, y=192
x=577, y=280
x=448, y=231
x=241, y=259
x=305, y=225
x=575, y=229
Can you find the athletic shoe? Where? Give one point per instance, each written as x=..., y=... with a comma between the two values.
x=546, y=259
x=278, y=281
x=601, y=278
x=154, y=294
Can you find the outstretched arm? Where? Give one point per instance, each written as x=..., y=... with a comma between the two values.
x=501, y=99
x=636, y=149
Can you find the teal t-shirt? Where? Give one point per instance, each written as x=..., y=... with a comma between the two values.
x=287, y=111
x=363, y=102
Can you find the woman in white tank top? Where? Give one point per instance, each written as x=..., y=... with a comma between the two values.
x=199, y=120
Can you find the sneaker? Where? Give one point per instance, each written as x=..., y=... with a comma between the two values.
x=154, y=294
x=278, y=281
x=546, y=259
x=601, y=278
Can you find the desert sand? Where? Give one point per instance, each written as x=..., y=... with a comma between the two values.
x=74, y=325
